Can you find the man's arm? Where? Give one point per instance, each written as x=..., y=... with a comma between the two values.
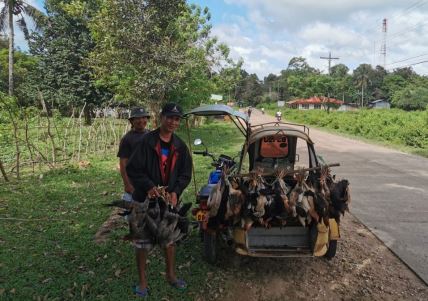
x=126, y=182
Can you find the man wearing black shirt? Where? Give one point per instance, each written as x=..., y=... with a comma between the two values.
x=138, y=119
x=160, y=159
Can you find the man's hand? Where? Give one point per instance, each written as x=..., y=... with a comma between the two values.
x=173, y=198
x=153, y=193
x=129, y=188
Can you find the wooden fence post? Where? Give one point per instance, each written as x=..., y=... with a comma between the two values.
x=45, y=110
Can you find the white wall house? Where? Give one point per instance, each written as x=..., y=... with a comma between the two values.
x=313, y=103
x=379, y=104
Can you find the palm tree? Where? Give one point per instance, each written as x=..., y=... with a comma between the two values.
x=362, y=82
x=17, y=8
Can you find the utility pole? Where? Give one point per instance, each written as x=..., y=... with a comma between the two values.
x=329, y=58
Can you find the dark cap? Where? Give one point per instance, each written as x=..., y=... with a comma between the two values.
x=139, y=112
x=172, y=109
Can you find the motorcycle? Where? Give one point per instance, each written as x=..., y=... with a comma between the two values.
x=201, y=212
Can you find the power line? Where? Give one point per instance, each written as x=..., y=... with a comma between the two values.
x=417, y=4
x=406, y=11
x=400, y=33
x=407, y=59
x=409, y=65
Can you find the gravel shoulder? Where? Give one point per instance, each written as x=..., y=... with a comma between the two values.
x=363, y=269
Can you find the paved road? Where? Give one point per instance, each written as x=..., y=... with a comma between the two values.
x=389, y=192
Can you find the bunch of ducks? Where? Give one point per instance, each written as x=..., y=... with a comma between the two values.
x=167, y=224
x=272, y=201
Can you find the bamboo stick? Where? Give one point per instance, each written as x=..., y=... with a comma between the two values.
x=80, y=132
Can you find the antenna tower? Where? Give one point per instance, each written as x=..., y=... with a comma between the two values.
x=383, y=47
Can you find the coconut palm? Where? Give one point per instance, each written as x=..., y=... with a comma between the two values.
x=20, y=9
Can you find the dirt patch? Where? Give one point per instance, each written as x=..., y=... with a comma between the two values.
x=114, y=221
x=363, y=269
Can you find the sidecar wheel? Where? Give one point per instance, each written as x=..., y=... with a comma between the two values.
x=210, y=248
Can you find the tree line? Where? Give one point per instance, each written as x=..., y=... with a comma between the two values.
x=403, y=87
x=98, y=53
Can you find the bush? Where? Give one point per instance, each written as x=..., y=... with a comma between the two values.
x=393, y=126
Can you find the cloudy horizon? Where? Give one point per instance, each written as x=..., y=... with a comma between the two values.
x=268, y=33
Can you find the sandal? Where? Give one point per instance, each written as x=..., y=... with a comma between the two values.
x=140, y=292
x=179, y=284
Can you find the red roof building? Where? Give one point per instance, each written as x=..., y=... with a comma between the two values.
x=315, y=102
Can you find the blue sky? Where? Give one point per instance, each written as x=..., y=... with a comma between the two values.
x=268, y=33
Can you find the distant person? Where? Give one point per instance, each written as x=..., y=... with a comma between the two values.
x=138, y=119
x=160, y=159
x=249, y=112
x=263, y=111
x=278, y=115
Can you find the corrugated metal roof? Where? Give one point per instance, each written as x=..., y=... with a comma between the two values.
x=315, y=100
x=211, y=110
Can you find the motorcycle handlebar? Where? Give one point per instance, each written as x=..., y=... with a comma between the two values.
x=199, y=152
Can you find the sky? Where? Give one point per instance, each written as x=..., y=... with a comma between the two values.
x=266, y=34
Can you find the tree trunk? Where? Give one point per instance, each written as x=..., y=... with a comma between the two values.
x=88, y=112
x=11, y=50
x=3, y=172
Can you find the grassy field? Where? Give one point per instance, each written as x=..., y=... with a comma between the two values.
x=407, y=131
x=47, y=225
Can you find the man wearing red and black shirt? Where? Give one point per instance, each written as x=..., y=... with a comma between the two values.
x=161, y=158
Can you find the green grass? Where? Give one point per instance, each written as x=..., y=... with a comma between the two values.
x=47, y=224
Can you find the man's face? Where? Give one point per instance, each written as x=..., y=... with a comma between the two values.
x=139, y=123
x=170, y=123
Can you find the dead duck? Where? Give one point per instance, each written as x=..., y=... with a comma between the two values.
x=235, y=200
x=340, y=197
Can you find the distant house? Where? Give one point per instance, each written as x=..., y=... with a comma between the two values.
x=348, y=107
x=379, y=104
x=280, y=103
x=216, y=98
x=314, y=102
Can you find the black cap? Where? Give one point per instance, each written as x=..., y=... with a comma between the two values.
x=172, y=109
x=139, y=112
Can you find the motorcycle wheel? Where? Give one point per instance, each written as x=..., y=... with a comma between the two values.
x=210, y=248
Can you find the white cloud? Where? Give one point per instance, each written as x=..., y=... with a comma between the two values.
x=351, y=30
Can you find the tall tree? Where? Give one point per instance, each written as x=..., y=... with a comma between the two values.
x=339, y=70
x=62, y=47
x=19, y=8
x=300, y=66
x=362, y=76
x=143, y=48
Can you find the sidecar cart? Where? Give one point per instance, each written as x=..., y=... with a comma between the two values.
x=274, y=201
